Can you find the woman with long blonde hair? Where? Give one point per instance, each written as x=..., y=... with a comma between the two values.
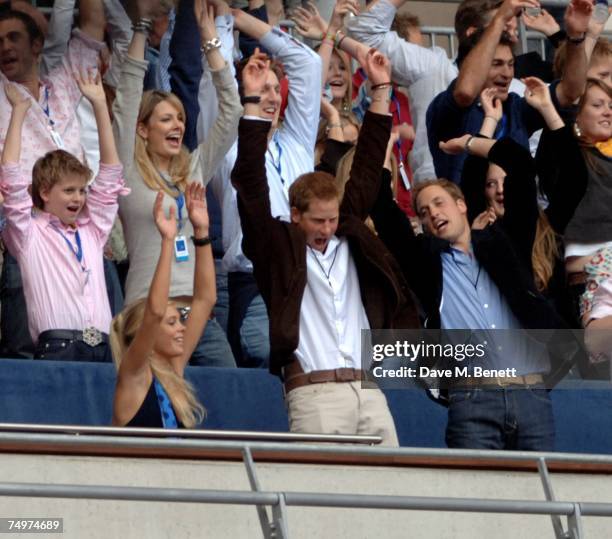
x=151, y=345
x=149, y=129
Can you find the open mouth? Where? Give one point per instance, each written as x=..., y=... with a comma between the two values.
x=74, y=208
x=8, y=63
x=174, y=140
x=440, y=226
x=320, y=243
x=270, y=110
x=501, y=86
x=337, y=83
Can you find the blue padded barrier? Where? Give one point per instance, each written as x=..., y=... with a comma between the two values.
x=60, y=392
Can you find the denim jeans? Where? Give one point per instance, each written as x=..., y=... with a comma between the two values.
x=213, y=350
x=509, y=418
x=69, y=350
x=16, y=340
x=221, y=309
x=248, y=326
x=113, y=287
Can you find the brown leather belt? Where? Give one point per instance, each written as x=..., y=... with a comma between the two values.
x=503, y=381
x=576, y=278
x=296, y=377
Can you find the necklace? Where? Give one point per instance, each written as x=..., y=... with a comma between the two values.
x=326, y=273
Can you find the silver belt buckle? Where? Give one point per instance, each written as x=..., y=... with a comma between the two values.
x=92, y=336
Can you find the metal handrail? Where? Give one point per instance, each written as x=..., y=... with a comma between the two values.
x=208, y=434
x=278, y=500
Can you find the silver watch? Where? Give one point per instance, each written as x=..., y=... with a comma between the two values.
x=211, y=44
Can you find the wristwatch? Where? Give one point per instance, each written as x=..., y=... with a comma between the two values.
x=211, y=44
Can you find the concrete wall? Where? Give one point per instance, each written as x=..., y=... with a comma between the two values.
x=123, y=519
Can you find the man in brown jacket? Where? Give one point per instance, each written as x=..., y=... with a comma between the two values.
x=325, y=276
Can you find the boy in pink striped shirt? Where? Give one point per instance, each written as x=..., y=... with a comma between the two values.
x=58, y=234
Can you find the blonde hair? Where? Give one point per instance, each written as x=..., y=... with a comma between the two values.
x=145, y=161
x=188, y=409
x=544, y=253
x=343, y=175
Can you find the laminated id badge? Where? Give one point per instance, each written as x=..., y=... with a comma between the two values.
x=404, y=176
x=57, y=138
x=181, y=253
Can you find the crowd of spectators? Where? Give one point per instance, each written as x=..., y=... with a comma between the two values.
x=355, y=179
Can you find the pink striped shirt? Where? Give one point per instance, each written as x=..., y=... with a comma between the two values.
x=59, y=96
x=60, y=291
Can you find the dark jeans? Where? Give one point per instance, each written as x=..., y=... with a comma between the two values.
x=16, y=340
x=213, y=350
x=69, y=350
x=509, y=418
x=248, y=325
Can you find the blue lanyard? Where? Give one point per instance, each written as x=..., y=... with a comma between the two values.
x=278, y=166
x=180, y=204
x=46, y=108
x=502, y=127
x=398, y=143
x=180, y=200
x=165, y=406
x=78, y=252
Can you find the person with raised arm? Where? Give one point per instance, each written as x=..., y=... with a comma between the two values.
x=150, y=129
x=290, y=153
x=50, y=124
x=324, y=276
x=151, y=341
x=59, y=245
x=486, y=60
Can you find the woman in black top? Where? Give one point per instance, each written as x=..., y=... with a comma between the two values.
x=150, y=343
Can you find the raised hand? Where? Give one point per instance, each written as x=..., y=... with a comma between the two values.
x=512, y=8
x=544, y=22
x=491, y=105
x=341, y=9
x=454, y=146
x=255, y=72
x=17, y=100
x=165, y=225
x=309, y=22
x=376, y=65
x=328, y=111
x=577, y=17
x=537, y=93
x=485, y=219
x=91, y=87
x=195, y=202
x=404, y=131
x=205, y=15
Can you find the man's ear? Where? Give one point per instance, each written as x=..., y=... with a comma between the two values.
x=296, y=215
x=470, y=30
x=37, y=47
x=462, y=205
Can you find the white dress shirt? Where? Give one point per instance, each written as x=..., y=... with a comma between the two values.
x=332, y=313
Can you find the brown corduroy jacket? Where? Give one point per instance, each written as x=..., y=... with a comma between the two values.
x=278, y=249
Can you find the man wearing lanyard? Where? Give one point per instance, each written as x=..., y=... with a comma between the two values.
x=486, y=60
x=58, y=232
x=290, y=152
x=325, y=277
x=50, y=124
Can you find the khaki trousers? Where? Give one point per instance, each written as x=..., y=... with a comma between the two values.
x=341, y=408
